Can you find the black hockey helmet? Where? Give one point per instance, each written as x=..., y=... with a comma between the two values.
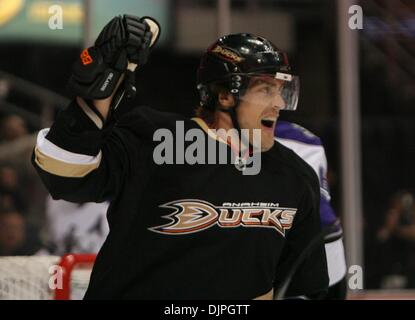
x=234, y=58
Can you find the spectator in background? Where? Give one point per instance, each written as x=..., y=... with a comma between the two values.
x=18, y=180
x=66, y=227
x=12, y=128
x=397, y=242
x=16, y=236
x=10, y=189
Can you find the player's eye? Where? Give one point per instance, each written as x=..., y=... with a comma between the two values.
x=265, y=89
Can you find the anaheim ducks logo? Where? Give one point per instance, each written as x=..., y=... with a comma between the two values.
x=190, y=216
x=227, y=54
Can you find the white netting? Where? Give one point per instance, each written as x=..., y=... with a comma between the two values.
x=79, y=282
x=27, y=278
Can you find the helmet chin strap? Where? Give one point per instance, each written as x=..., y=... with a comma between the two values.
x=234, y=118
x=235, y=123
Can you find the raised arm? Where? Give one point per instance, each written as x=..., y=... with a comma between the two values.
x=83, y=156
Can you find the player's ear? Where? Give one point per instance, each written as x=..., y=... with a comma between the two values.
x=226, y=99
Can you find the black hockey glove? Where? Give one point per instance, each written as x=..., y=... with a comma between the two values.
x=123, y=40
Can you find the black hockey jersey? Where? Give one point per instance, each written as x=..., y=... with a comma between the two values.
x=184, y=231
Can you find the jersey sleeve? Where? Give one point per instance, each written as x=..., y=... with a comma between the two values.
x=80, y=161
x=303, y=259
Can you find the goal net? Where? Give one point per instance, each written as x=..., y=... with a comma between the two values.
x=45, y=277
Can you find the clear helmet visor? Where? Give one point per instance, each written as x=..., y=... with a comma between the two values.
x=280, y=90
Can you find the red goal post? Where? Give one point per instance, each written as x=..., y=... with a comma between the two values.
x=68, y=264
x=36, y=277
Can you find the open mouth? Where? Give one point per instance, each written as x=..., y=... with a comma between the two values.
x=268, y=123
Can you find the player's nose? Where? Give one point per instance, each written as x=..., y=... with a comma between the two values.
x=278, y=103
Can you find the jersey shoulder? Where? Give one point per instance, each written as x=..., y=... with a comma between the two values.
x=153, y=116
x=301, y=171
x=145, y=121
x=292, y=131
x=305, y=144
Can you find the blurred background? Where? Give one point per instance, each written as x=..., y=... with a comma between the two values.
x=357, y=94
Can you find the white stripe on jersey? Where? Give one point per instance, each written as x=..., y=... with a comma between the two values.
x=336, y=263
x=51, y=150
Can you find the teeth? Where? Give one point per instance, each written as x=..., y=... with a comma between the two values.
x=269, y=119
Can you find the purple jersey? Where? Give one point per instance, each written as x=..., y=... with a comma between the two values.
x=310, y=148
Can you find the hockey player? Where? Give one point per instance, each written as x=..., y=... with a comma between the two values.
x=182, y=231
x=310, y=148
x=75, y=227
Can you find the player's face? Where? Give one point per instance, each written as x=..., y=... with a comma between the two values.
x=259, y=109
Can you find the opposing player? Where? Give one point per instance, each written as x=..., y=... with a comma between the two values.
x=310, y=148
x=181, y=230
x=75, y=227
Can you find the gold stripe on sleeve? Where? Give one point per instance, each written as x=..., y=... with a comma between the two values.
x=63, y=169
